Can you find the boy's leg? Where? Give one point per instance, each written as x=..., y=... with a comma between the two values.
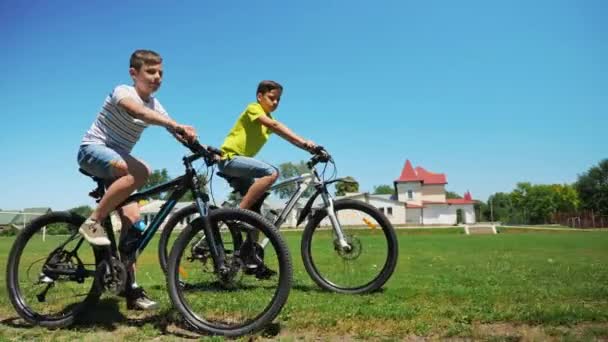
x=136, y=296
x=126, y=174
x=249, y=168
x=244, y=169
x=130, y=173
x=108, y=164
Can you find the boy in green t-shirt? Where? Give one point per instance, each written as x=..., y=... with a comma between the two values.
x=251, y=177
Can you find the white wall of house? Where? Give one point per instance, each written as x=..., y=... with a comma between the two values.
x=434, y=192
x=438, y=214
x=413, y=216
x=468, y=213
x=446, y=214
x=404, y=190
x=394, y=211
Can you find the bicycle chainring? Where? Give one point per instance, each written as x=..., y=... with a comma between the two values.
x=112, y=275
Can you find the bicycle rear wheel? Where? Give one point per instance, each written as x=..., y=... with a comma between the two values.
x=372, y=256
x=51, y=281
x=241, y=301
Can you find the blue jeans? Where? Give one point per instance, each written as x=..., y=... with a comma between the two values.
x=243, y=171
x=99, y=160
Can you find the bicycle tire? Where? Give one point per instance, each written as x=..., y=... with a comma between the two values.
x=391, y=243
x=12, y=273
x=280, y=294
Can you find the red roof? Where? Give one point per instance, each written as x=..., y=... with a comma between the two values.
x=409, y=174
x=413, y=206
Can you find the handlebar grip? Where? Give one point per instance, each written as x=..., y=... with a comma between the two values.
x=214, y=150
x=319, y=149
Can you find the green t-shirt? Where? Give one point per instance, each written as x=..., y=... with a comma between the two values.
x=248, y=135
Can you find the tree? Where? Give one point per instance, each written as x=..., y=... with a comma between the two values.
x=592, y=187
x=566, y=198
x=351, y=185
x=536, y=203
x=499, y=208
x=157, y=177
x=83, y=210
x=288, y=170
x=450, y=194
x=187, y=197
x=383, y=189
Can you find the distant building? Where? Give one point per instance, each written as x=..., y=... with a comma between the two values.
x=20, y=218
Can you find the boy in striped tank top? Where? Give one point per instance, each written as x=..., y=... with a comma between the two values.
x=105, y=152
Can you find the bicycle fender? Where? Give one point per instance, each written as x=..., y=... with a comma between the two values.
x=307, y=208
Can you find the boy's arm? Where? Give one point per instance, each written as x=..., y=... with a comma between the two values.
x=152, y=117
x=286, y=133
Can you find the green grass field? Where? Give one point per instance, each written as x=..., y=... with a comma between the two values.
x=531, y=285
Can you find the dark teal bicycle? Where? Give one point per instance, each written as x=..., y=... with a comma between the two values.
x=50, y=283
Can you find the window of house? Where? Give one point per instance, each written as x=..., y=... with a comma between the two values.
x=410, y=194
x=381, y=209
x=389, y=211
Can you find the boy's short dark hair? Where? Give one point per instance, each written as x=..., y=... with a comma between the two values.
x=141, y=57
x=266, y=86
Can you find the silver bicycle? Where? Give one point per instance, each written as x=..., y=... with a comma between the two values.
x=347, y=246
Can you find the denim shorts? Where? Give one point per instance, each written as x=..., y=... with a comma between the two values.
x=99, y=160
x=244, y=170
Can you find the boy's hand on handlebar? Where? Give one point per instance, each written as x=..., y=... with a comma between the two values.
x=309, y=146
x=216, y=153
x=185, y=133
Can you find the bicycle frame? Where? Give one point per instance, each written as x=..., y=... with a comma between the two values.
x=188, y=181
x=304, y=182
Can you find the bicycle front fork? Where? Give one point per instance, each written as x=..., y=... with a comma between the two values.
x=335, y=223
x=214, y=242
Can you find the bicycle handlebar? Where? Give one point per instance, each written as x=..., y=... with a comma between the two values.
x=205, y=151
x=320, y=155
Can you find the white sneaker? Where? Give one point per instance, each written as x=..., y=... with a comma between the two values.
x=137, y=299
x=94, y=233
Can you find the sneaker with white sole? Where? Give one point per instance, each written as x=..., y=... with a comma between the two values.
x=137, y=299
x=94, y=233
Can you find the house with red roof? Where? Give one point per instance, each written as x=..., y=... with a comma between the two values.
x=419, y=199
x=423, y=193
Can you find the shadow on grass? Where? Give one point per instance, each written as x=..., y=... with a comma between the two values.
x=106, y=315
x=314, y=288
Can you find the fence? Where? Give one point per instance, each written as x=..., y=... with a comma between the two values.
x=584, y=219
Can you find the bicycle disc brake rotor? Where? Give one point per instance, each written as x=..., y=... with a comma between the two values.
x=232, y=275
x=228, y=277
x=112, y=275
x=355, y=248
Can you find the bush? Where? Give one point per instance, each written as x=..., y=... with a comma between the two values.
x=9, y=231
x=58, y=229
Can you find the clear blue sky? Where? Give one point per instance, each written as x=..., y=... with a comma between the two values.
x=490, y=93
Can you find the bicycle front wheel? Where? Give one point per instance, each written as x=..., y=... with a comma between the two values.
x=51, y=280
x=249, y=295
x=367, y=263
